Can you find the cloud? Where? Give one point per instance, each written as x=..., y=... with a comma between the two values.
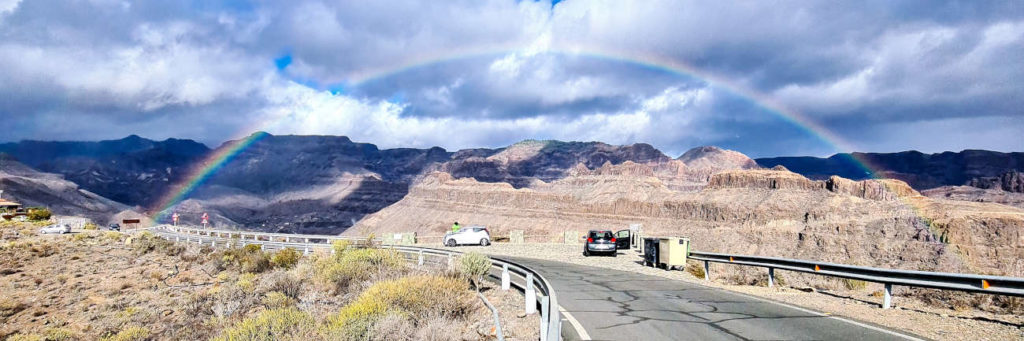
x=883, y=75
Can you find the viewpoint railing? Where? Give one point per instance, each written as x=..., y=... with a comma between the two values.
x=536, y=289
x=999, y=285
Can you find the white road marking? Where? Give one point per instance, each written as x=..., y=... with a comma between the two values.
x=575, y=324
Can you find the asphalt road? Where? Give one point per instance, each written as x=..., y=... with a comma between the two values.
x=619, y=305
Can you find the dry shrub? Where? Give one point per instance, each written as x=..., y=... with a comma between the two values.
x=274, y=324
x=247, y=259
x=43, y=249
x=9, y=306
x=418, y=297
x=282, y=282
x=90, y=227
x=277, y=300
x=285, y=258
x=695, y=269
x=60, y=334
x=439, y=329
x=392, y=327
x=854, y=284
x=146, y=242
x=114, y=236
x=131, y=333
x=26, y=337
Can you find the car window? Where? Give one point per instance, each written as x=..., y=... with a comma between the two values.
x=601, y=234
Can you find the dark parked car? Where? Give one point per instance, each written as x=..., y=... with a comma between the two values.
x=600, y=242
x=114, y=227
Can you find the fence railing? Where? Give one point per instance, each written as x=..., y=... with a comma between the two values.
x=1000, y=285
x=536, y=289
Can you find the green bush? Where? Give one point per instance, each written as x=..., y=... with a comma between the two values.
x=415, y=297
x=474, y=266
x=355, y=265
x=285, y=258
x=90, y=226
x=274, y=324
x=339, y=247
x=132, y=333
x=39, y=214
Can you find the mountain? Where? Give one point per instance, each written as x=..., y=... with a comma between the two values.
x=921, y=171
x=132, y=170
x=30, y=188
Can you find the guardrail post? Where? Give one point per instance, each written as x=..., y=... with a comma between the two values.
x=887, y=301
x=263, y=247
x=707, y=270
x=531, y=296
x=420, y=262
x=506, y=279
x=306, y=251
x=450, y=260
x=543, y=318
x=771, y=277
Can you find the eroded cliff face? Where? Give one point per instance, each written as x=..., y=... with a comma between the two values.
x=761, y=212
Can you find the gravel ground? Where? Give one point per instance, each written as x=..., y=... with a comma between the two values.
x=908, y=315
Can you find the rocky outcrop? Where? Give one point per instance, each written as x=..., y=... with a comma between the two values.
x=781, y=179
x=1012, y=181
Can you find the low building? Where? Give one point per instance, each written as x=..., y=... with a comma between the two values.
x=9, y=206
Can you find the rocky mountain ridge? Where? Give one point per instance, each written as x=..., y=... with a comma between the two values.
x=922, y=171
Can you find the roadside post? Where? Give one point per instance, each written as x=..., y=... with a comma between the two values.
x=174, y=218
x=206, y=220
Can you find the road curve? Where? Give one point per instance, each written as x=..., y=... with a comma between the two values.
x=620, y=305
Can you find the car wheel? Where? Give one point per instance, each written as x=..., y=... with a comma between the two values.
x=586, y=253
x=615, y=254
x=484, y=242
x=450, y=243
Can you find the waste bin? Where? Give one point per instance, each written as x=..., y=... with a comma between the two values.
x=651, y=251
x=672, y=251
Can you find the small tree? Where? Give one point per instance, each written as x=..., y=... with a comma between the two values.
x=474, y=266
x=39, y=214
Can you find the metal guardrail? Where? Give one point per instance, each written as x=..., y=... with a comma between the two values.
x=999, y=285
x=536, y=289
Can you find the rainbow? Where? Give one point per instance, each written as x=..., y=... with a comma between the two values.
x=201, y=172
x=224, y=154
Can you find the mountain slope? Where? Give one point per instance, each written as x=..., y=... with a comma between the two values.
x=921, y=171
x=32, y=188
x=132, y=170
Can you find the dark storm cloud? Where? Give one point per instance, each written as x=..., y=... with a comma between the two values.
x=881, y=75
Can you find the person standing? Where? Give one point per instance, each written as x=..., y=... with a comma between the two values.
x=456, y=227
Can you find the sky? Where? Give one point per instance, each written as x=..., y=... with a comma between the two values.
x=766, y=78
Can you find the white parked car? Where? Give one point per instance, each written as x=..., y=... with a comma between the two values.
x=470, y=235
x=56, y=228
